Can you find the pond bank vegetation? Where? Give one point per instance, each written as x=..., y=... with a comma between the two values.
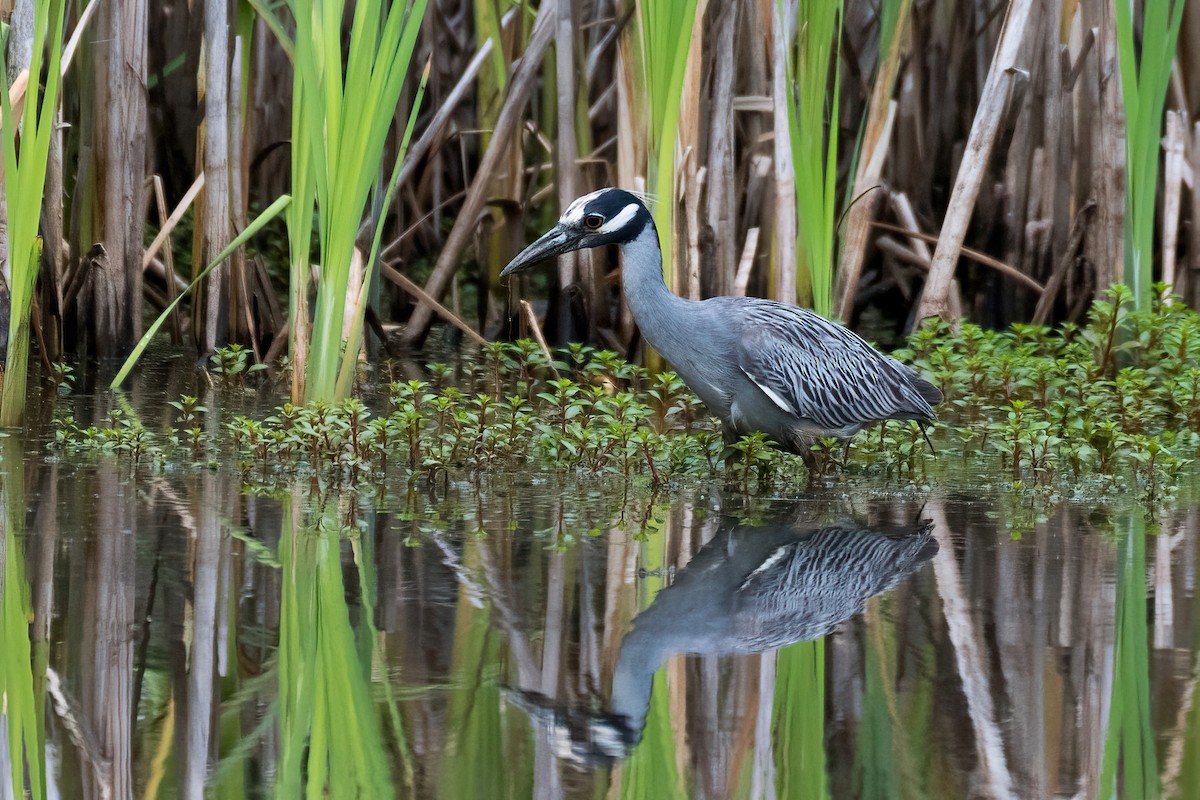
x=1104, y=408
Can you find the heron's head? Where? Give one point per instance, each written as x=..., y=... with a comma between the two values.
x=609, y=216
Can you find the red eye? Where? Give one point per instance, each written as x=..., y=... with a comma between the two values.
x=593, y=222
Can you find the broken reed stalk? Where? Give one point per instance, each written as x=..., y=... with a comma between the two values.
x=935, y=300
x=876, y=141
x=507, y=124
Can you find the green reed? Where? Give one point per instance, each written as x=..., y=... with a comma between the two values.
x=666, y=36
x=798, y=727
x=1145, y=75
x=474, y=762
x=651, y=771
x=813, y=128
x=341, y=117
x=24, y=185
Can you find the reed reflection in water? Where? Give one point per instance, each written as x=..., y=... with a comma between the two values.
x=165, y=635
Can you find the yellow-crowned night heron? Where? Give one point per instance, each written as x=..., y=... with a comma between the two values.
x=757, y=364
x=751, y=588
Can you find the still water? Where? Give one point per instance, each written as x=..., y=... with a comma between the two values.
x=168, y=633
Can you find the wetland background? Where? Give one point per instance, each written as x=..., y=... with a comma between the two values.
x=285, y=551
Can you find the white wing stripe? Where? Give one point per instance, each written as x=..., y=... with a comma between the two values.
x=771, y=393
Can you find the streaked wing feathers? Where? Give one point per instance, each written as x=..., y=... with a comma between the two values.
x=823, y=372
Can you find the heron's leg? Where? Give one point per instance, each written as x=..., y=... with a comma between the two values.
x=810, y=460
x=730, y=455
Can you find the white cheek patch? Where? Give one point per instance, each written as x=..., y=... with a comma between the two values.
x=620, y=220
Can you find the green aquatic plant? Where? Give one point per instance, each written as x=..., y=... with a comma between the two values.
x=233, y=363
x=24, y=185
x=1109, y=407
x=191, y=415
x=62, y=375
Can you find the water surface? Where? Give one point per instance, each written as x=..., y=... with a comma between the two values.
x=521, y=634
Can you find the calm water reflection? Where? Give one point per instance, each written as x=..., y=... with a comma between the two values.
x=166, y=635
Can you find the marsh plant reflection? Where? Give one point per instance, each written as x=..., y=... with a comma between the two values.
x=169, y=635
x=751, y=588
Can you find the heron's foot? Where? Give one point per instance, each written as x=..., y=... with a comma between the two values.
x=815, y=472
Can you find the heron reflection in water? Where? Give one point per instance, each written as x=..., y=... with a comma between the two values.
x=750, y=589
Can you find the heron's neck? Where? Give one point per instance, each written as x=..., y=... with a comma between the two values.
x=654, y=306
x=641, y=655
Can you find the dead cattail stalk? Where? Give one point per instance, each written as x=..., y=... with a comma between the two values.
x=401, y=280
x=1041, y=314
x=120, y=162
x=535, y=331
x=876, y=141
x=507, y=124
x=935, y=300
x=565, y=151
x=216, y=231
x=719, y=255
x=975, y=255
x=1173, y=166
x=785, y=175
x=168, y=262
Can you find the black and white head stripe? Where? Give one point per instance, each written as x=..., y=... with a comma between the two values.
x=623, y=215
x=609, y=216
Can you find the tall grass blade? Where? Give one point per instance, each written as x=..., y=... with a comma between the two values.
x=24, y=186
x=1144, y=84
x=269, y=213
x=340, y=121
x=666, y=33
x=812, y=116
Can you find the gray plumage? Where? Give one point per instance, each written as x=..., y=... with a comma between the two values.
x=803, y=589
x=757, y=364
x=754, y=588
x=749, y=589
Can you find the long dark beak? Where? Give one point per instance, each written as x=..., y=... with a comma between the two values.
x=554, y=242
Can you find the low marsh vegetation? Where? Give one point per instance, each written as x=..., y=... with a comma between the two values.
x=1106, y=408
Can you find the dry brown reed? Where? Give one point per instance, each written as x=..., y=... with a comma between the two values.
x=1000, y=128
